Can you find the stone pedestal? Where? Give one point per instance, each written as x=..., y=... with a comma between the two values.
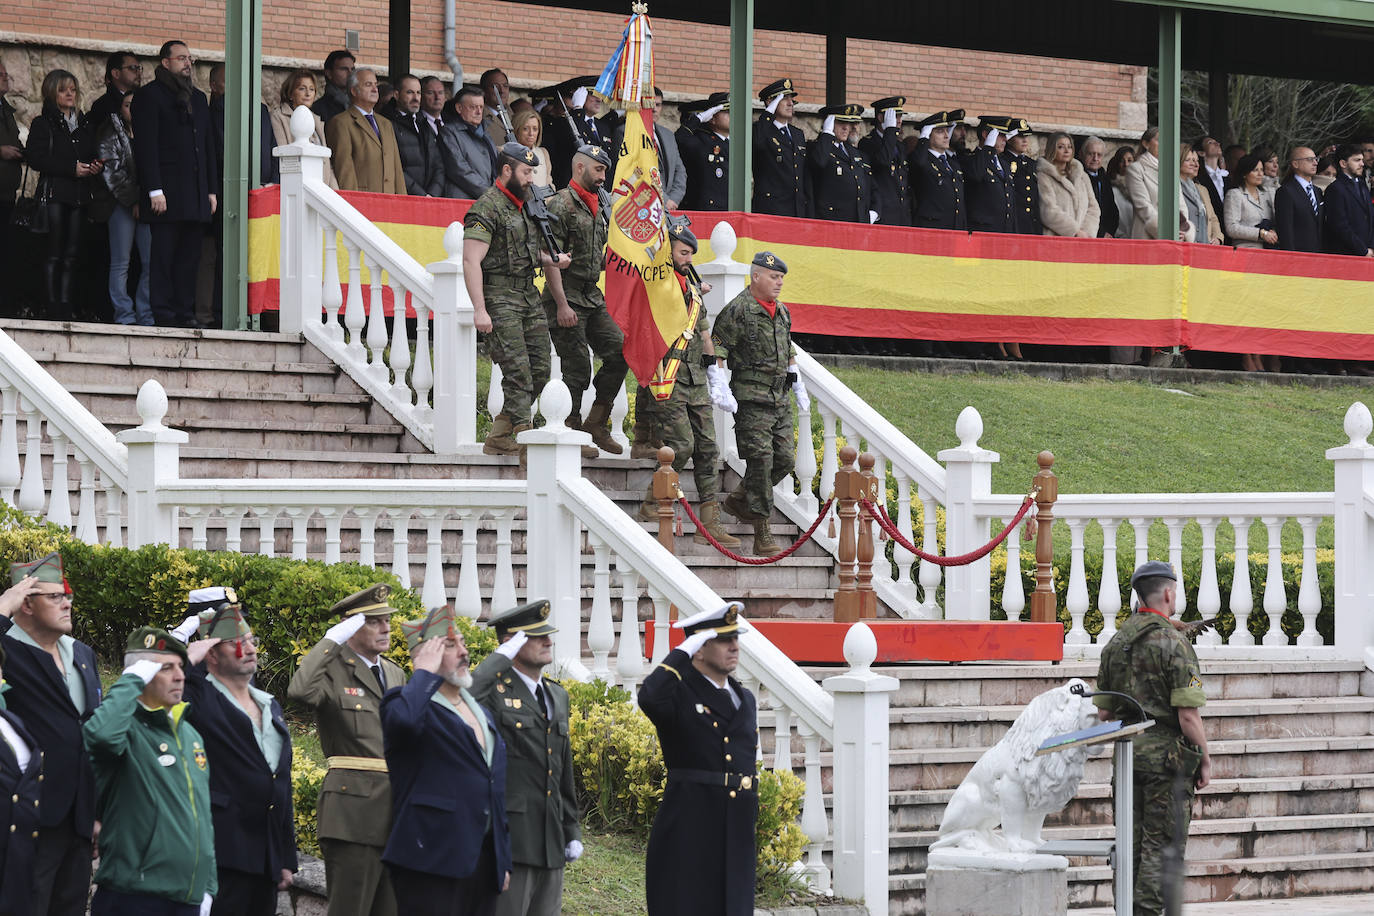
x=962, y=883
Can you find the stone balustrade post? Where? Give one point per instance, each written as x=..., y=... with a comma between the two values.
x=968, y=477
x=1354, y=578
x=301, y=162
x=860, y=739
x=728, y=278
x=1043, y=605
x=848, y=485
x=455, y=350
x=864, y=550
x=154, y=460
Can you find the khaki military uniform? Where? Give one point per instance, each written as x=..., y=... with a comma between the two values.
x=355, y=800
x=1151, y=661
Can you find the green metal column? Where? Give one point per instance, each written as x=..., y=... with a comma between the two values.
x=741, y=103
x=1170, y=77
x=242, y=126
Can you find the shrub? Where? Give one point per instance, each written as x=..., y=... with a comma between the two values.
x=778, y=836
x=307, y=777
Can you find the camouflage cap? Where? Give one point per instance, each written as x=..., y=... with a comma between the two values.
x=371, y=601
x=155, y=639
x=531, y=618
x=724, y=620
x=225, y=622
x=769, y=261
x=44, y=569
x=438, y=622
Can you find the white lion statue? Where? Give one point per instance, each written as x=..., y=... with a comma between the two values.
x=1012, y=787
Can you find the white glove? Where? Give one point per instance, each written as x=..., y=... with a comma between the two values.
x=925, y=131
x=343, y=631
x=828, y=125
x=692, y=644
x=187, y=628
x=803, y=399
x=1012, y=134
x=991, y=139
x=890, y=118
x=579, y=97
x=720, y=389
x=144, y=669
x=705, y=118
x=573, y=852
x=205, y=903
x=872, y=217
x=511, y=647
x=772, y=107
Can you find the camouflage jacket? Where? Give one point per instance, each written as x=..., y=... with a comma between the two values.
x=582, y=235
x=690, y=372
x=756, y=347
x=1149, y=660
x=513, y=237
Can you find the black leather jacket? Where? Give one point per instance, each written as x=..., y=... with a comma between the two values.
x=115, y=147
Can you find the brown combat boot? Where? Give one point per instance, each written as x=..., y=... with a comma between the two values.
x=709, y=513
x=641, y=447
x=648, y=510
x=501, y=439
x=520, y=447
x=764, y=545
x=600, y=432
x=738, y=506
x=575, y=422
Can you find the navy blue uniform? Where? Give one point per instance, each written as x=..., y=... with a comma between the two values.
x=1026, y=193
x=937, y=182
x=781, y=184
x=20, y=806
x=841, y=181
x=706, y=156
x=891, y=179
x=991, y=195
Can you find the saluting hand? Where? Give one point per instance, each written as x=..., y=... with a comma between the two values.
x=511, y=647
x=429, y=656
x=15, y=595
x=196, y=651
x=692, y=644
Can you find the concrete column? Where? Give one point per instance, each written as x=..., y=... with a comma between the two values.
x=154, y=460
x=1354, y=531
x=455, y=350
x=968, y=476
x=300, y=291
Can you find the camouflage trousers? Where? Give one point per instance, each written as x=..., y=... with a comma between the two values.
x=519, y=344
x=763, y=434
x=595, y=328
x=686, y=424
x=1159, y=819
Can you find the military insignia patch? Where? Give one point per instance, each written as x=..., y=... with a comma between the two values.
x=200, y=756
x=353, y=691
x=149, y=640
x=515, y=702
x=1195, y=681
x=500, y=688
x=700, y=708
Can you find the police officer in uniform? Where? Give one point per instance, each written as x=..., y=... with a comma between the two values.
x=883, y=147
x=841, y=178
x=701, y=851
x=531, y=713
x=501, y=250
x=1150, y=660
x=782, y=186
x=991, y=195
x=703, y=140
x=937, y=178
x=343, y=678
x=21, y=771
x=1025, y=186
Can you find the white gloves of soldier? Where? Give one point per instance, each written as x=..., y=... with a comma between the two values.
x=187, y=628
x=579, y=97
x=828, y=125
x=573, y=852
x=511, y=647
x=205, y=903
x=772, y=107
x=343, y=631
x=692, y=644
x=925, y=131
x=803, y=399
x=144, y=669
x=991, y=140
x=1012, y=134
x=890, y=118
x=705, y=118
x=720, y=389
x=872, y=217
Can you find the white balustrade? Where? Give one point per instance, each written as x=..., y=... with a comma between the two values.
x=904, y=583
x=1208, y=592
x=930, y=573
x=1076, y=601
x=400, y=343
x=1013, y=589
x=1241, y=603
x=629, y=660
x=1275, y=595
x=1309, y=591
x=601, y=626
x=1109, y=589
x=59, y=501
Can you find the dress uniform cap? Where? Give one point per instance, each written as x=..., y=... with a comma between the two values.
x=45, y=569
x=1151, y=570
x=843, y=113
x=996, y=122
x=521, y=153
x=680, y=231
x=944, y=118
x=371, y=601
x=595, y=153
x=893, y=101
x=531, y=618
x=1020, y=124
x=769, y=261
x=724, y=620
x=155, y=639
x=569, y=86
x=438, y=622
x=777, y=87
x=210, y=598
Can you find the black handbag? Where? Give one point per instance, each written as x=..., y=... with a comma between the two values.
x=31, y=210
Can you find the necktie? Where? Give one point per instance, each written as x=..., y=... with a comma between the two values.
x=381, y=681
x=539, y=696
x=1312, y=196
x=997, y=162
x=727, y=699
x=944, y=163
x=373, y=121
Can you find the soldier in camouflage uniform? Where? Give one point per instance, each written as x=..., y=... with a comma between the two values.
x=752, y=335
x=573, y=304
x=500, y=254
x=685, y=422
x=1150, y=660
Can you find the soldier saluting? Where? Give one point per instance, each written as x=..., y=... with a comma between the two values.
x=703, y=140
x=883, y=147
x=781, y=185
x=937, y=180
x=841, y=178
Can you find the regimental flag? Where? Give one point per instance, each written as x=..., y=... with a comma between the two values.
x=642, y=293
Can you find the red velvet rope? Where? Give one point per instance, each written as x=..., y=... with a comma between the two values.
x=756, y=561
x=880, y=513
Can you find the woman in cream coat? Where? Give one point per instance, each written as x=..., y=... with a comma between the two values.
x=1068, y=206
x=299, y=89
x=1142, y=187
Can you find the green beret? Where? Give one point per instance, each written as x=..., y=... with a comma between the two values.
x=154, y=639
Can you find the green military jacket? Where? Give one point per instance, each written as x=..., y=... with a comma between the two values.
x=541, y=800
x=756, y=347
x=582, y=235
x=153, y=798
x=690, y=372
x=355, y=802
x=1150, y=660
x=513, y=255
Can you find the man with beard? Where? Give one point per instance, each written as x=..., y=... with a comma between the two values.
x=883, y=147
x=531, y=713
x=247, y=740
x=344, y=678
x=573, y=304
x=841, y=179
x=449, y=852
x=416, y=142
x=123, y=74
x=500, y=255
x=176, y=171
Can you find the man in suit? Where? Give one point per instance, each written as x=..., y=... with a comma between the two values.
x=703, y=140
x=782, y=186
x=937, y=178
x=1298, y=204
x=1349, y=225
x=54, y=688
x=344, y=677
x=1092, y=151
x=338, y=67
x=531, y=713
x=469, y=161
x=701, y=854
x=21, y=778
x=841, y=178
x=416, y=141
x=1025, y=187
x=883, y=147
x=366, y=157
x=1212, y=173
x=669, y=158
x=449, y=852
x=247, y=739
x=176, y=170
x=495, y=97
x=991, y=195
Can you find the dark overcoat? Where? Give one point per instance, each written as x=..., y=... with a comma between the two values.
x=782, y=186
x=172, y=152
x=20, y=807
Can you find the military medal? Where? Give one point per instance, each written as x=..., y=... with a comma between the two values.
x=701, y=708
x=515, y=702
x=719, y=173
x=500, y=689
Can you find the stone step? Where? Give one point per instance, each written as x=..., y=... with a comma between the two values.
x=176, y=372
x=114, y=401
x=82, y=337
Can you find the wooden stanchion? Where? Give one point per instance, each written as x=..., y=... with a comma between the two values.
x=848, y=488
x=665, y=485
x=1042, y=601
x=872, y=491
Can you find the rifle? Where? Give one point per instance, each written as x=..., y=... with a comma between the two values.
x=505, y=120
x=604, y=197
x=539, y=212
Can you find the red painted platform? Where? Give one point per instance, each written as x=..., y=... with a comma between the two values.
x=821, y=642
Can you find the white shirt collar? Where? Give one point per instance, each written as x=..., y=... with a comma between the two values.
x=1302, y=181
x=22, y=752
x=779, y=125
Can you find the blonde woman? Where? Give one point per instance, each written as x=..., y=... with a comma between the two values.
x=529, y=131
x=296, y=90
x=1068, y=205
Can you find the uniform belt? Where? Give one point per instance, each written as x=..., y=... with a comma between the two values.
x=505, y=281
x=741, y=781
x=371, y=764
